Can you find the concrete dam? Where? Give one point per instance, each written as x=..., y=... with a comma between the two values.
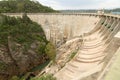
x=99, y=37
x=60, y=26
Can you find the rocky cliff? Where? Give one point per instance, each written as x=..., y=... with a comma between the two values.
x=22, y=45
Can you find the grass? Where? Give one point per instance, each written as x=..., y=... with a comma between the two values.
x=72, y=55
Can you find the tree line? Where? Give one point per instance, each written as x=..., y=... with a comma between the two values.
x=28, y=6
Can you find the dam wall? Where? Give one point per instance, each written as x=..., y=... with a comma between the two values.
x=61, y=27
x=98, y=46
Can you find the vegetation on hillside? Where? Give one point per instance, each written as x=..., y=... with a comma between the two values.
x=22, y=40
x=45, y=77
x=20, y=30
x=28, y=6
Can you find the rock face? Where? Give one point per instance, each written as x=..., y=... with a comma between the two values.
x=19, y=61
x=65, y=51
x=22, y=46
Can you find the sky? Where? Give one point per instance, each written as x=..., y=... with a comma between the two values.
x=81, y=4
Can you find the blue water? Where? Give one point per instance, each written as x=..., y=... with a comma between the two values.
x=118, y=13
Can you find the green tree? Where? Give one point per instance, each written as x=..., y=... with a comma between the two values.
x=26, y=19
x=50, y=51
x=27, y=6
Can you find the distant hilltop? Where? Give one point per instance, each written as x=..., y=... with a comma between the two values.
x=28, y=6
x=91, y=10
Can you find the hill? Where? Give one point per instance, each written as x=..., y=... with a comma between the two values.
x=90, y=10
x=22, y=46
x=28, y=6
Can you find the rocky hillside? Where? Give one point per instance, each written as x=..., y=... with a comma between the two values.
x=22, y=45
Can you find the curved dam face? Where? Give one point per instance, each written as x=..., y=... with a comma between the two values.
x=99, y=37
x=98, y=46
x=60, y=26
x=68, y=25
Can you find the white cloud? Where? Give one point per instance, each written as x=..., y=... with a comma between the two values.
x=110, y=4
x=81, y=4
x=52, y=3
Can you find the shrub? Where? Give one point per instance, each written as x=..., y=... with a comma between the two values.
x=50, y=51
x=45, y=77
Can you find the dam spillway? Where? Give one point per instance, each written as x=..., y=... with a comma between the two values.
x=98, y=42
x=95, y=48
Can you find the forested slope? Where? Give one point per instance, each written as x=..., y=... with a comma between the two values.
x=28, y=6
